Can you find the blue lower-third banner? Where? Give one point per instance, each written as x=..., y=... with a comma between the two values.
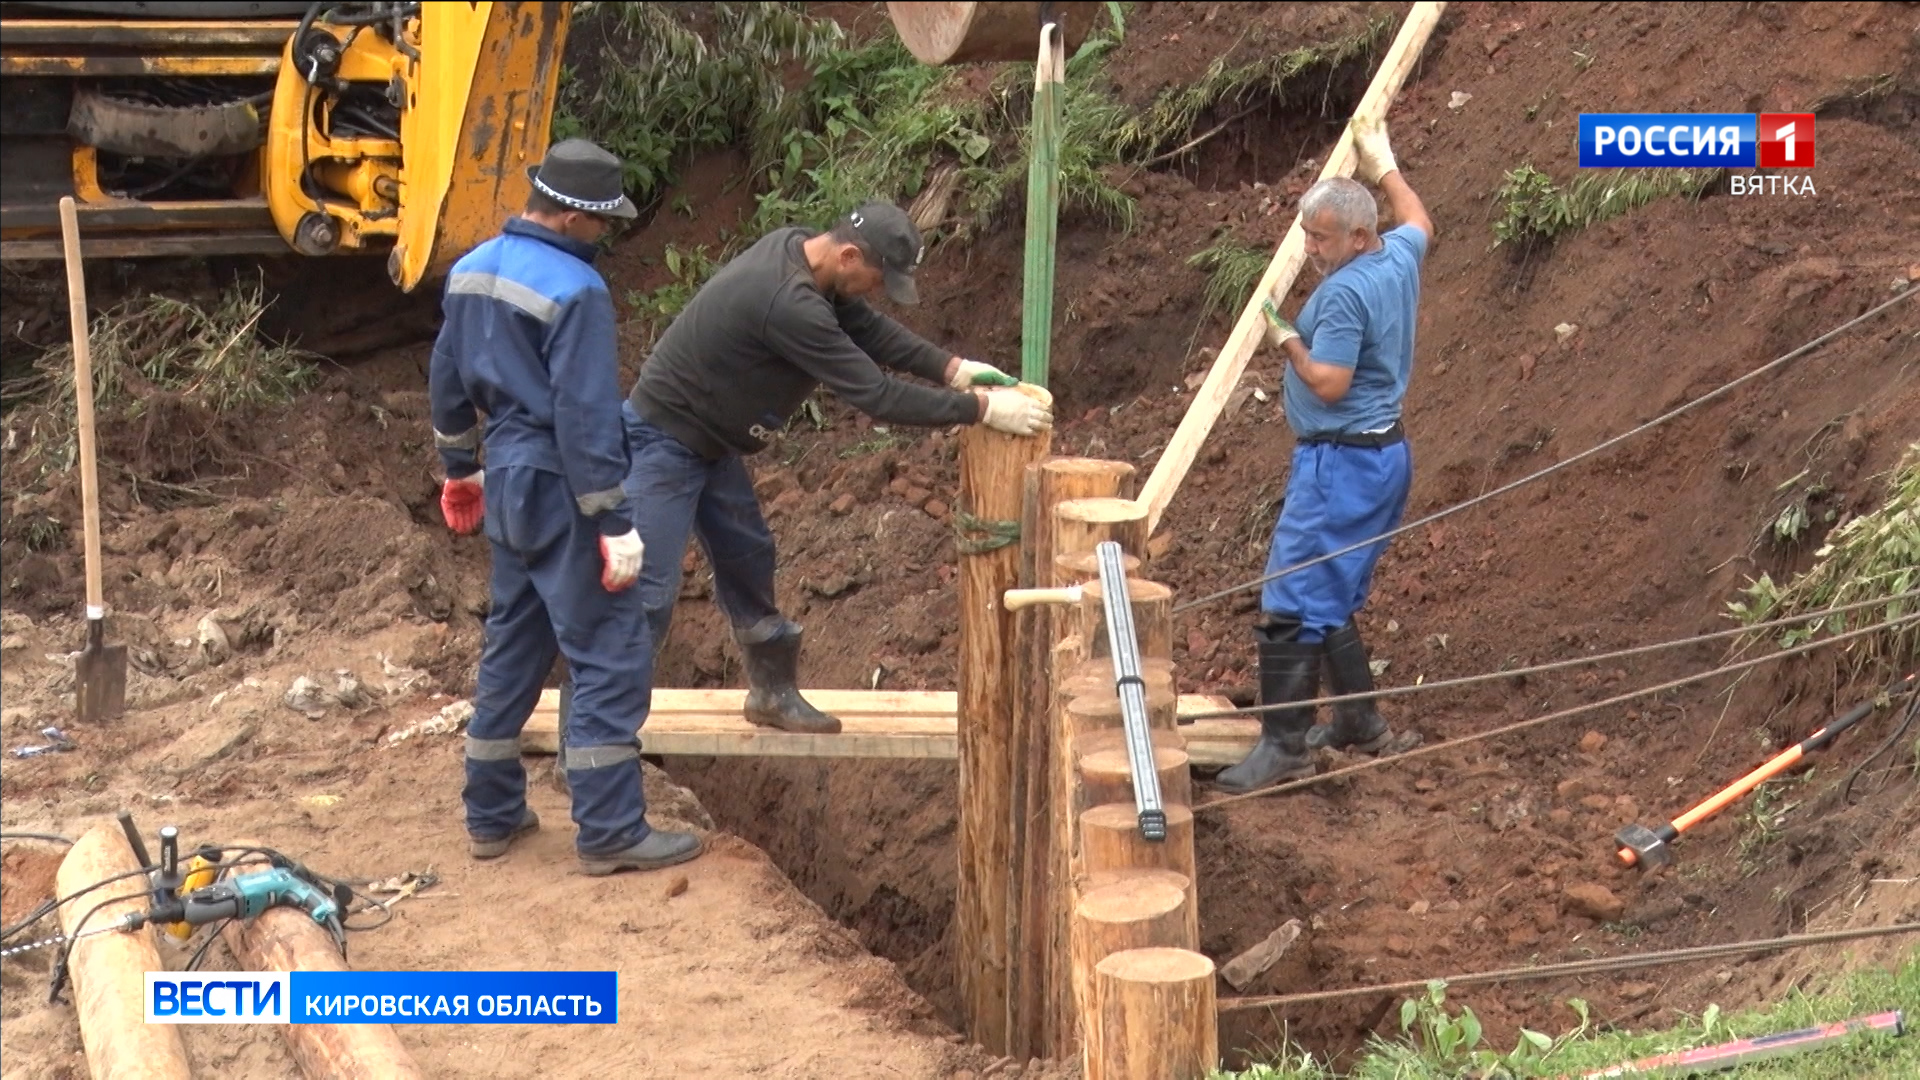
x=390, y=997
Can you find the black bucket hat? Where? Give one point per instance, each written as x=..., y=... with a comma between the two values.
x=890, y=234
x=581, y=176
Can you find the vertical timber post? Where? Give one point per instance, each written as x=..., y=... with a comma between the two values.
x=1037, y=892
x=992, y=471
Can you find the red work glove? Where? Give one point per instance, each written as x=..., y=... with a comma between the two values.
x=622, y=557
x=464, y=503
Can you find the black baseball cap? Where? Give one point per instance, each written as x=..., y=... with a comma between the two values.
x=889, y=233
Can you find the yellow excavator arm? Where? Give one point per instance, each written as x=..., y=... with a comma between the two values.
x=257, y=128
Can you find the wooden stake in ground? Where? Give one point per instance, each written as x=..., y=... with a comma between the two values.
x=287, y=939
x=1152, y=618
x=1110, y=839
x=1247, y=333
x=1150, y=1016
x=992, y=467
x=1138, y=910
x=1037, y=891
x=109, y=970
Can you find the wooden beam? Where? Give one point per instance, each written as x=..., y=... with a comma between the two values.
x=1287, y=262
x=992, y=474
x=1037, y=892
x=109, y=970
x=707, y=723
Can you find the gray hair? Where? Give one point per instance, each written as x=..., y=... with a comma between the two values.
x=1348, y=200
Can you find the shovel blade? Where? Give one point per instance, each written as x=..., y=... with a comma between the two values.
x=100, y=678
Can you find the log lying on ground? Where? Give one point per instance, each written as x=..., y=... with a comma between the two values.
x=287, y=939
x=109, y=970
x=1150, y=1016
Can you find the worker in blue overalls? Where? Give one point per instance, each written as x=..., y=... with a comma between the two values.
x=1348, y=365
x=529, y=342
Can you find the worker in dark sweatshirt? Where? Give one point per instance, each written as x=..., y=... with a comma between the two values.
x=780, y=319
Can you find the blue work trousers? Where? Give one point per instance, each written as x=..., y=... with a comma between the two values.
x=548, y=600
x=1336, y=496
x=677, y=494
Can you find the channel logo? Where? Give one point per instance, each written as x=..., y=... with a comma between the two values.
x=1696, y=140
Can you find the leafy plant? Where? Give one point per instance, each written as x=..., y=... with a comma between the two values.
x=659, y=307
x=1868, y=557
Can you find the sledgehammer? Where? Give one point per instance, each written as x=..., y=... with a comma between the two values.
x=1648, y=847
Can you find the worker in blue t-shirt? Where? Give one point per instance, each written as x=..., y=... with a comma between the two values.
x=1347, y=367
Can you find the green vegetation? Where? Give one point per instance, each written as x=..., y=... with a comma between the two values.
x=1234, y=271
x=661, y=82
x=1868, y=557
x=1437, y=1043
x=211, y=356
x=1534, y=208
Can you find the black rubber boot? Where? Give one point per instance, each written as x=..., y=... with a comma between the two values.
x=1357, y=725
x=1289, y=674
x=773, y=687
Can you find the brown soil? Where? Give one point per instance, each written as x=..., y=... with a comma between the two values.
x=314, y=533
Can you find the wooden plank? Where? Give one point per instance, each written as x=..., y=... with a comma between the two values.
x=1287, y=262
x=679, y=731
x=668, y=702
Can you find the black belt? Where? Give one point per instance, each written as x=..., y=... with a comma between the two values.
x=1370, y=440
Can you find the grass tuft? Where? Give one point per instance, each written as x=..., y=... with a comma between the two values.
x=1534, y=208
x=1235, y=271
x=1868, y=557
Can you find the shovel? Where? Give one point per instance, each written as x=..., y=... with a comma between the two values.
x=100, y=673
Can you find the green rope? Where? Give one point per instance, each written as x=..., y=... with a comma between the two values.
x=997, y=534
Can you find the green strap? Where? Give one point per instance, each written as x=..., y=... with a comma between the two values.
x=1043, y=213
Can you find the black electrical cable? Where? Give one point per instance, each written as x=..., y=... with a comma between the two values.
x=199, y=954
x=48, y=907
x=59, y=976
x=47, y=836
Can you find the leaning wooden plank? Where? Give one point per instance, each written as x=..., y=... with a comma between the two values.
x=837, y=702
x=110, y=970
x=867, y=735
x=1207, y=404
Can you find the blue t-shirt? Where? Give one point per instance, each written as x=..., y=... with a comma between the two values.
x=1361, y=317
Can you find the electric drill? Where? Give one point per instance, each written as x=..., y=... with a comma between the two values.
x=241, y=898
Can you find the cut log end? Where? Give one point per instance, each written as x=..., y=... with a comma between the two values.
x=1156, y=966
x=1150, y=1014
x=1107, y=774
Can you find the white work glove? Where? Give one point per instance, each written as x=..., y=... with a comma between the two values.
x=1371, y=147
x=622, y=555
x=1015, y=413
x=1279, y=330
x=971, y=374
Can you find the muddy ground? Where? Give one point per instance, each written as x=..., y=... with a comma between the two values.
x=313, y=533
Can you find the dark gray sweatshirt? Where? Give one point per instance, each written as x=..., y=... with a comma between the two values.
x=759, y=336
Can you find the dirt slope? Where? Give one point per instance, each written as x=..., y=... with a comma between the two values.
x=314, y=532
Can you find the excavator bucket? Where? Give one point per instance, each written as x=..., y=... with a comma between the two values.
x=941, y=34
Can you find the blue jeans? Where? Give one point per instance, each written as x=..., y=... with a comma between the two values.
x=548, y=601
x=677, y=494
x=1336, y=496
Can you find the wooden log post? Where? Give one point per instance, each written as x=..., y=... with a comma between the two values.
x=1106, y=774
x=1036, y=892
x=109, y=970
x=1110, y=840
x=992, y=470
x=1150, y=1016
x=1098, y=712
x=1152, y=618
x=1080, y=524
x=287, y=939
x=1135, y=910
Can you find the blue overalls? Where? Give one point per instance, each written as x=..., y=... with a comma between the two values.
x=1352, y=469
x=529, y=340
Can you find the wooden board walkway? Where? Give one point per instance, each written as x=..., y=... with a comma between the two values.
x=874, y=724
